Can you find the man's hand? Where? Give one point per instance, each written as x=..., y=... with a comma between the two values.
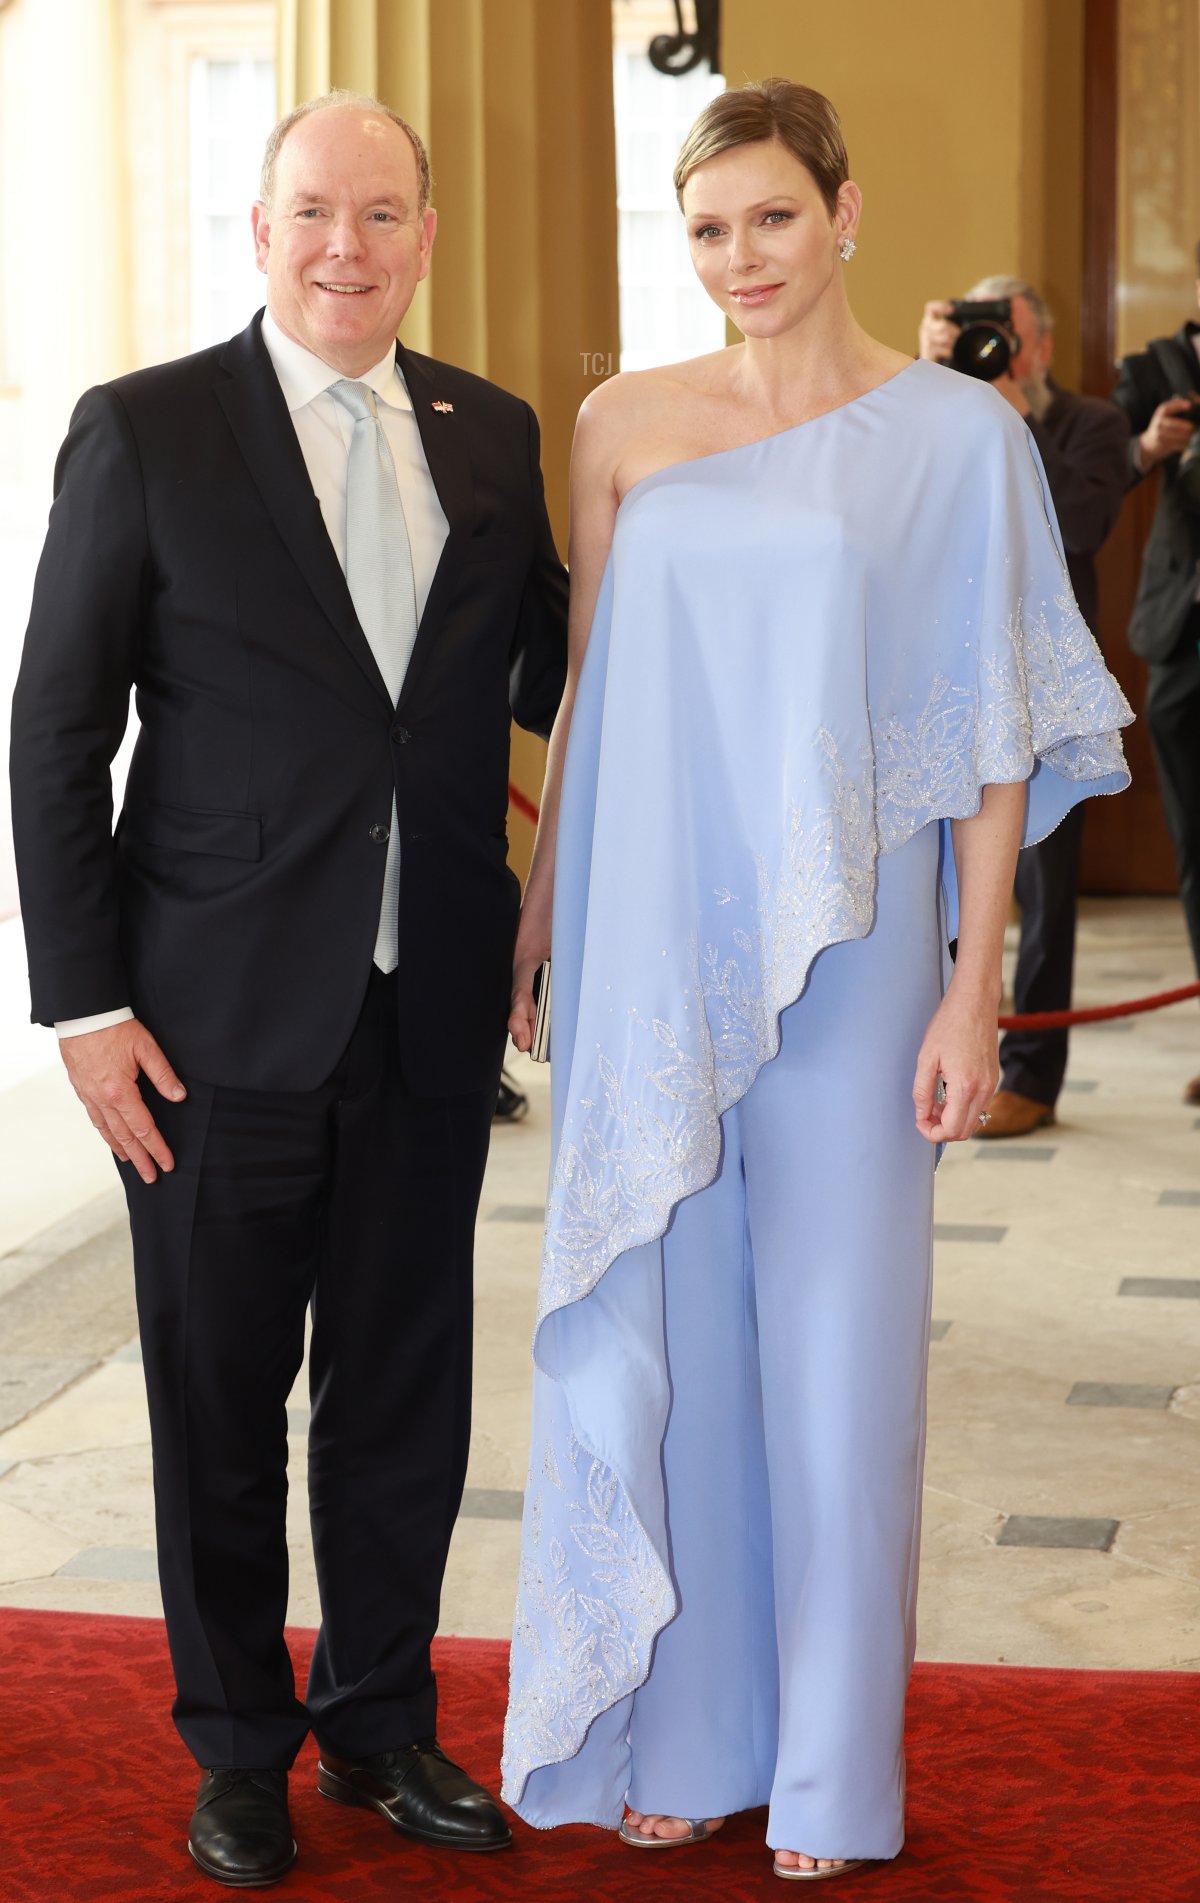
x=103, y=1067
x=1168, y=432
x=935, y=338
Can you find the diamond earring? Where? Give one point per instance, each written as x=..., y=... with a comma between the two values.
x=847, y=248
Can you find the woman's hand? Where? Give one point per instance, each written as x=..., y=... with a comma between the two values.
x=533, y=947
x=960, y=1044
x=960, y=1047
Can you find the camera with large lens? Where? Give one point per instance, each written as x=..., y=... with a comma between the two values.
x=986, y=343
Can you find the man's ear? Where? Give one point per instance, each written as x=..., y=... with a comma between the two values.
x=428, y=232
x=260, y=224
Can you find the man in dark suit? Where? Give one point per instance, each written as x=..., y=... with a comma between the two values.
x=1157, y=390
x=1082, y=442
x=323, y=565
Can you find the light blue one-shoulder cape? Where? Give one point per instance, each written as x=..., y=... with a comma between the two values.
x=804, y=650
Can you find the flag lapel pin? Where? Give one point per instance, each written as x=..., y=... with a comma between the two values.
x=444, y=409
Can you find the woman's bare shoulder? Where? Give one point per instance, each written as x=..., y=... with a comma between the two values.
x=632, y=392
x=634, y=419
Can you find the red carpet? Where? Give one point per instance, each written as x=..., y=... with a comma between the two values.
x=1048, y=1787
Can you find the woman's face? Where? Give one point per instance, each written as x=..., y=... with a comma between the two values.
x=763, y=242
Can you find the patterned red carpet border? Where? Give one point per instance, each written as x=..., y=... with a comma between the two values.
x=1043, y=1786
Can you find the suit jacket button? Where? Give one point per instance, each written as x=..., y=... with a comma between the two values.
x=401, y=736
x=379, y=834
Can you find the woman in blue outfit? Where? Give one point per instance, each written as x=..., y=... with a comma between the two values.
x=827, y=675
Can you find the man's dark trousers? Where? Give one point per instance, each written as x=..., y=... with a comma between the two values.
x=355, y=1197
x=1173, y=717
x=1084, y=446
x=1035, y=1062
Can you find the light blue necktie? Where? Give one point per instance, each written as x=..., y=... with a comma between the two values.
x=379, y=575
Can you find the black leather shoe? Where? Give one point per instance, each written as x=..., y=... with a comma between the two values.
x=421, y=1793
x=241, y=1833
x=511, y=1103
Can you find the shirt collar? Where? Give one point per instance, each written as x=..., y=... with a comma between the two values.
x=303, y=375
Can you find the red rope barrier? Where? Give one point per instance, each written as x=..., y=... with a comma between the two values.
x=1097, y=1013
x=522, y=802
x=1028, y=1021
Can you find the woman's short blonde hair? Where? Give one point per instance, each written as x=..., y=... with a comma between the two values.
x=801, y=119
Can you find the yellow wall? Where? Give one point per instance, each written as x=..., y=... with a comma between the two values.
x=964, y=125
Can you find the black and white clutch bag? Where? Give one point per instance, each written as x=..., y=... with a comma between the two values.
x=539, y=1050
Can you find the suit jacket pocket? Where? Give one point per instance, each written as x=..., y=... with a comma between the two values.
x=193, y=829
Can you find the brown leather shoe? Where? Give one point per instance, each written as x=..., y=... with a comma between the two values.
x=1191, y=1092
x=419, y=1791
x=1011, y=1115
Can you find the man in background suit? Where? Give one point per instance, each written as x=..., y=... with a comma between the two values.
x=323, y=565
x=1082, y=444
x=1157, y=389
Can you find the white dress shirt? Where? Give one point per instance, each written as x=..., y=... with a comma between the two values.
x=324, y=428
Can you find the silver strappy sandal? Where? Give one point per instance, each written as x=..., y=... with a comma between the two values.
x=699, y=1830
x=791, y=1874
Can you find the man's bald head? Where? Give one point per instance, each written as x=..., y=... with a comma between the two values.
x=340, y=97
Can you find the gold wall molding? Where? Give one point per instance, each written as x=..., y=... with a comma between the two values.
x=514, y=100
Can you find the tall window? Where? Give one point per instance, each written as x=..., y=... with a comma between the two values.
x=232, y=111
x=1158, y=198
x=665, y=316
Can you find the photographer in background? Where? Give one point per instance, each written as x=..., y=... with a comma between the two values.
x=1084, y=445
x=1157, y=391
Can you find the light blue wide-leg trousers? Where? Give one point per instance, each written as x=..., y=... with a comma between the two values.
x=797, y=1293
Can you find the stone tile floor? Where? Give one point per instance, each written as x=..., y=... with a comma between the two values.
x=1062, y=1522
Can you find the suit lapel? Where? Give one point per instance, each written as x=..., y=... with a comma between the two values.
x=443, y=439
x=258, y=416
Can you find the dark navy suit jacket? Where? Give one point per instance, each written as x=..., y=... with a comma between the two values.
x=236, y=907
